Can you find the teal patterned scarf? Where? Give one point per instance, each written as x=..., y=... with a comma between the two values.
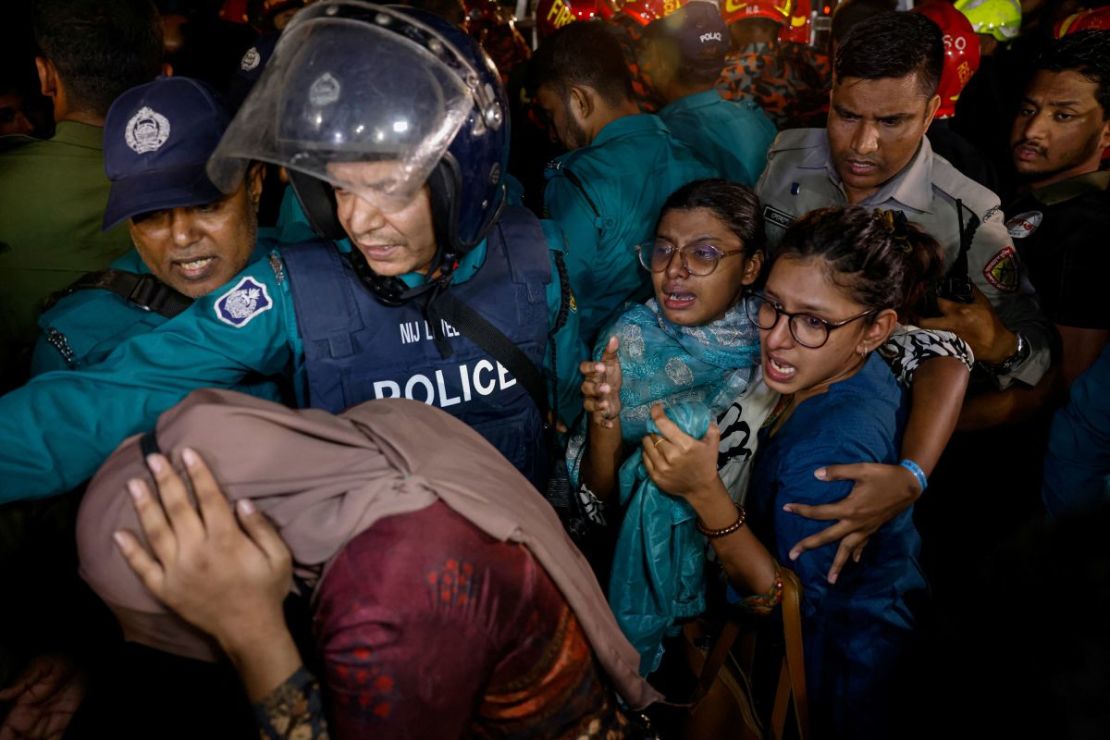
x=666, y=363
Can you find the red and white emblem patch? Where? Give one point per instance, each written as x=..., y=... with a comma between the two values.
x=1001, y=270
x=1024, y=224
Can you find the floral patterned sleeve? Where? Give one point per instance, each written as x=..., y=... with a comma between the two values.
x=909, y=346
x=293, y=711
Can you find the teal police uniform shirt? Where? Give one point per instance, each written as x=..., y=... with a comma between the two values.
x=622, y=179
x=731, y=135
x=83, y=328
x=58, y=429
x=801, y=177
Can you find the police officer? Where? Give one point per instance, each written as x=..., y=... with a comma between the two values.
x=392, y=124
x=686, y=52
x=874, y=153
x=1061, y=219
x=189, y=237
x=607, y=191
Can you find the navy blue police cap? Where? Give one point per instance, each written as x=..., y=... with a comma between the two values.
x=157, y=139
x=250, y=69
x=699, y=31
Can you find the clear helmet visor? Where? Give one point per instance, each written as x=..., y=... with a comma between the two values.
x=359, y=96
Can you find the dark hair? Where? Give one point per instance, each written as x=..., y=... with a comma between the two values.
x=882, y=259
x=893, y=45
x=734, y=204
x=99, y=47
x=850, y=13
x=586, y=54
x=1085, y=52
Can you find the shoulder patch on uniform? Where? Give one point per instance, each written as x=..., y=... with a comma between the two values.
x=242, y=303
x=1001, y=270
x=777, y=217
x=1024, y=224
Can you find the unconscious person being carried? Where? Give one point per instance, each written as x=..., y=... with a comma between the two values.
x=447, y=600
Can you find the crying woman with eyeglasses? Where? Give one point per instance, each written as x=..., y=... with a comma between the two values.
x=778, y=354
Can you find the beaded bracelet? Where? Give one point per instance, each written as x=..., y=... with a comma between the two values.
x=763, y=604
x=917, y=472
x=741, y=517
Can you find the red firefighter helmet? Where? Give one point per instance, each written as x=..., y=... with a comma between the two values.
x=772, y=10
x=494, y=28
x=961, y=52
x=646, y=11
x=798, y=28
x=1096, y=19
x=551, y=15
x=234, y=11
x=482, y=12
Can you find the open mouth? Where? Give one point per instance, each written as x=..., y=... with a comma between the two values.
x=196, y=269
x=378, y=251
x=678, y=300
x=778, y=371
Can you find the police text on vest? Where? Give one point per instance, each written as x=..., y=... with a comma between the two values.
x=480, y=380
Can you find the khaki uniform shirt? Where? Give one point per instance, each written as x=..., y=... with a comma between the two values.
x=52, y=199
x=800, y=177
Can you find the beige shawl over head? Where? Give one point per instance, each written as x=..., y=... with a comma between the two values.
x=323, y=479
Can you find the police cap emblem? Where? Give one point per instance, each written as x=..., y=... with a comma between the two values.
x=250, y=60
x=147, y=131
x=324, y=90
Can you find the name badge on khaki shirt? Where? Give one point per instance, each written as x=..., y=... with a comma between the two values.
x=775, y=216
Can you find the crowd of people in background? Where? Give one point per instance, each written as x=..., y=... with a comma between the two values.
x=450, y=369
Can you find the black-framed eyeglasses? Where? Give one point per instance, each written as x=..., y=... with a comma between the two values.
x=699, y=258
x=808, y=330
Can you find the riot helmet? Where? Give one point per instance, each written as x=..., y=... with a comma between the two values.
x=350, y=81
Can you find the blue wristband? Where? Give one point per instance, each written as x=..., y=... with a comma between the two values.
x=918, y=473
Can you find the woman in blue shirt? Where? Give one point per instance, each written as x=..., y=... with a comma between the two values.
x=833, y=294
